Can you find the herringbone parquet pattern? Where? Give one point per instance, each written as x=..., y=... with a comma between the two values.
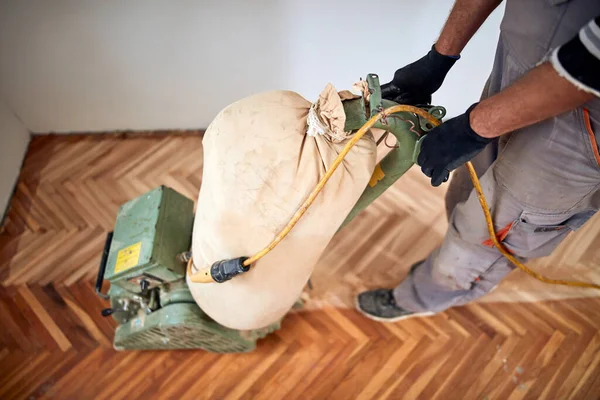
x=538, y=342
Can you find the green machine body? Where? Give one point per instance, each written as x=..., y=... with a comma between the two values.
x=149, y=231
x=144, y=261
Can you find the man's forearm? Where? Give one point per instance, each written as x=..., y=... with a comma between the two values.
x=570, y=79
x=464, y=20
x=538, y=95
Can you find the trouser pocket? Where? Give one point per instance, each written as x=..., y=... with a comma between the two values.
x=537, y=235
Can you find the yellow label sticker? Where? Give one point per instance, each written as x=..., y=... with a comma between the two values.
x=128, y=257
x=378, y=175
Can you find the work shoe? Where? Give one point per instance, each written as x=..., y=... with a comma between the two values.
x=380, y=305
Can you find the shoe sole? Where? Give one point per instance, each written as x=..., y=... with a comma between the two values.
x=395, y=319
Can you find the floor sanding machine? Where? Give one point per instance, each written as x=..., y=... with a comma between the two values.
x=145, y=258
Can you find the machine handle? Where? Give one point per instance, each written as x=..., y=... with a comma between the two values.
x=102, y=268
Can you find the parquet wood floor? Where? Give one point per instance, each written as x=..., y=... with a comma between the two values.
x=525, y=340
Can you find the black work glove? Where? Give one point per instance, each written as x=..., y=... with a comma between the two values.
x=449, y=146
x=415, y=83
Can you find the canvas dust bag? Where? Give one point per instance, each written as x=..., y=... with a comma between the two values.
x=263, y=155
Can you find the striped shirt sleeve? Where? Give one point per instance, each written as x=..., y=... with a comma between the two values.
x=578, y=60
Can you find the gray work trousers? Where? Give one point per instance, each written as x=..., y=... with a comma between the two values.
x=541, y=182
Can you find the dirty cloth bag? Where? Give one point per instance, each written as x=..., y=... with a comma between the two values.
x=260, y=164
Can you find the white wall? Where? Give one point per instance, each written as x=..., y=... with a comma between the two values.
x=14, y=139
x=72, y=65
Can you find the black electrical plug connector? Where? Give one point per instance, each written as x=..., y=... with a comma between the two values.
x=224, y=270
x=108, y=311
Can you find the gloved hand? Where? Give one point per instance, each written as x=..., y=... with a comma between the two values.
x=449, y=146
x=415, y=83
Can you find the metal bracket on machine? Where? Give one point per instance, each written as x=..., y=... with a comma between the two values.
x=377, y=104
